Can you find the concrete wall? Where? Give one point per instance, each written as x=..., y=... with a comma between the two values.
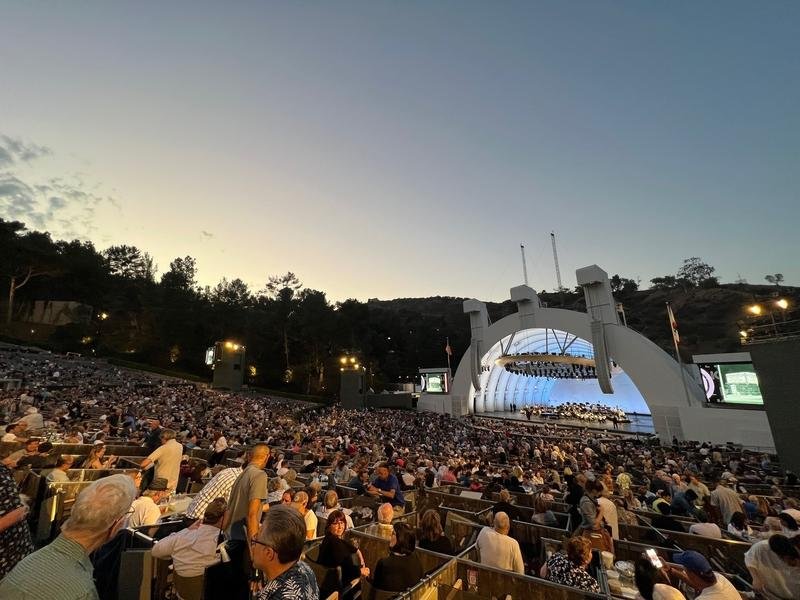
x=778, y=367
x=389, y=401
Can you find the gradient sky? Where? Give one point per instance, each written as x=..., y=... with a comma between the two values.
x=386, y=149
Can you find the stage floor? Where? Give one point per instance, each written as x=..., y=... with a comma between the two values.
x=638, y=424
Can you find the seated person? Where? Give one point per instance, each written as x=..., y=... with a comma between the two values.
x=401, y=569
x=300, y=502
x=505, y=506
x=335, y=551
x=652, y=584
x=544, y=515
x=144, y=510
x=383, y=528
x=194, y=549
x=97, y=458
x=704, y=528
x=738, y=527
x=497, y=548
x=330, y=503
x=432, y=535
x=568, y=567
x=59, y=474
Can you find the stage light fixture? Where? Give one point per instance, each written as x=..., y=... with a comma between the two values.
x=743, y=333
x=782, y=303
x=755, y=309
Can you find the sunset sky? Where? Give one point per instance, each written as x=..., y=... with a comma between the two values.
x=387, y=149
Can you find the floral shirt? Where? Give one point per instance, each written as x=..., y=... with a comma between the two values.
x=297, y=583
x=15, y=542
x=561, y=570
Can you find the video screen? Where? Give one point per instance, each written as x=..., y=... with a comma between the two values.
x=210, y=356
x=732, y=383
x=434, y=383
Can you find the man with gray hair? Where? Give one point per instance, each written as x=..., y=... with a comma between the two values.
x=276, y=551
x=167, y=459
x=497, y=548
x=62, y=570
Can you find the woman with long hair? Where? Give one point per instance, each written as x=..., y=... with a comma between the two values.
x=432, y=535
x=97, y=460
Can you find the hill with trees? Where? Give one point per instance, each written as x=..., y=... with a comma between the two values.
x=294, y=335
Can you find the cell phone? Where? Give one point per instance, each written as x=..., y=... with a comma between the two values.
x=654, y=558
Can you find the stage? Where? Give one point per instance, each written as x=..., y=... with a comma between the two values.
x=639, y=423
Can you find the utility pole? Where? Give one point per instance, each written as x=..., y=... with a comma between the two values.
x=555, y=260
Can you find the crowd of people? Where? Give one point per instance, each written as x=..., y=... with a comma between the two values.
x=263, y=521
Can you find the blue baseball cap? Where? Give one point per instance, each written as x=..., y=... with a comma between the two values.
x=693, y=561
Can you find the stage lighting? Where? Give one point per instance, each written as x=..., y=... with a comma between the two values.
x=782, y=303
x=754, y=309
x=743, y=333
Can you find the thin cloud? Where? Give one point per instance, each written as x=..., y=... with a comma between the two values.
x=206, y=235
x=15, y=149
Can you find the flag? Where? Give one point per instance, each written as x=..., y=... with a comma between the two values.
x=448, y=349
x=673, y=324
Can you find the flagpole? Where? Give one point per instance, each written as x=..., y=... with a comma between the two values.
x=447, y=347
x=673, y=329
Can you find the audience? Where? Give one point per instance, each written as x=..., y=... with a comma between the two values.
x=569, y=566
x=432, y=535
x=335, y=551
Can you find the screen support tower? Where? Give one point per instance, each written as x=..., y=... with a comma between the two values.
x=524, y=264
x=555, y=260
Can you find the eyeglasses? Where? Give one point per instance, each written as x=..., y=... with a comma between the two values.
x=254, y=541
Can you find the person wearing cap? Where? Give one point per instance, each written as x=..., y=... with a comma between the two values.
x=145, y=510
x=698, y=574
x=774, y=565
x=194, y=549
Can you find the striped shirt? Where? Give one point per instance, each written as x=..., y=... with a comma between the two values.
x=219, y=486
x=61, y=570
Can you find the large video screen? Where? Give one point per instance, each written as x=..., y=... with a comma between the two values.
x=435, y=383
x=733, y=383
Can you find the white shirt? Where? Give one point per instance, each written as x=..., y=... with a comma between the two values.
x=782, y=581
x=709, y=530
x=609, y=512
x=192, y=550
x=722, y=590
x=793, y=512
x=311, y=521
x=57, y=476
x=167, y=458
x=221, y=444
x=500, y=551
x=145, y=512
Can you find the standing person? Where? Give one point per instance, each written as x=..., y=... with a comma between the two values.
x=167, y=459
x=774, y=565
x=726, y=500
x=219, y=486
x=62, y=569
x=276, y=550
x=218, y=449
x=248, y=494
x=15, y=535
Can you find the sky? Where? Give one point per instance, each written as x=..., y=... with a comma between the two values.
x=400, y=149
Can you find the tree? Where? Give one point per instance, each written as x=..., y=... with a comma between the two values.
x=281, y=289
x=776, y=279
x=695, y=271
x=182, y=274
x=233, y=294
x=129, y=262
x=623, y=285
x=24, y=257
x=667, y=282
